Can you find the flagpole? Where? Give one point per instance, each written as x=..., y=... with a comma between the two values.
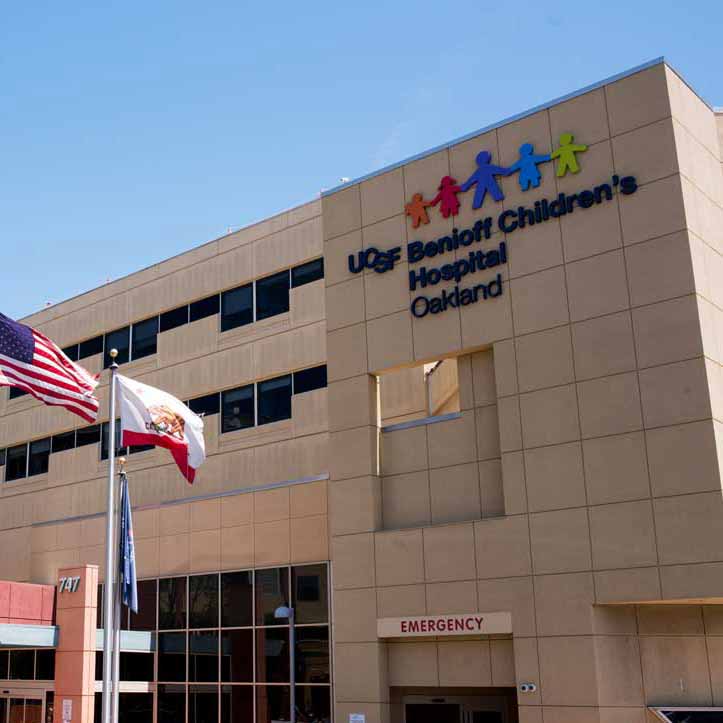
x=108, y=621
x=117, y=595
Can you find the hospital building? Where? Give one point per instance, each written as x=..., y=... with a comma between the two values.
x=463, y=415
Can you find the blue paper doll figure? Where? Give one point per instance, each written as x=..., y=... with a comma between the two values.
x=527, y=166
x=484, y=177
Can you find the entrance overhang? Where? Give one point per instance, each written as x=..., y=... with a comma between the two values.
x=46, y=636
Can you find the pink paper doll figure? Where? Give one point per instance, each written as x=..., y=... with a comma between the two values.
x=447, y=197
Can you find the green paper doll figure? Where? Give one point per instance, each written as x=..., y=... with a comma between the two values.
x=565, y=154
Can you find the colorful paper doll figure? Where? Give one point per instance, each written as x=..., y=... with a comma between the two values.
x=527, y=166
x=417, y=209
x=447, y=197
x=484, y=177
x=566, y=154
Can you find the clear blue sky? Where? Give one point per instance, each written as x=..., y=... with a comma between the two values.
x=131, y=131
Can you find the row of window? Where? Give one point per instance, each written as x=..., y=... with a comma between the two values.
x=248, y=406
x=242, y=599
x=235, y=703
x=245, y=304
x=231, y=656
x=27, y=664
x=221, y=628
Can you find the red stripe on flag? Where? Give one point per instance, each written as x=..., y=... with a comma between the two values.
x=178, y=449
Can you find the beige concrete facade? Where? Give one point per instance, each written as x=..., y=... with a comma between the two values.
x=579, y=487
x=553, y=451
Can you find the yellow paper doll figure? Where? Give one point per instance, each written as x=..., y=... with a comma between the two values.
x=565, y=154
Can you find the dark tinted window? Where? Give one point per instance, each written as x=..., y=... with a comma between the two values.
x=135, y=448
x=39, y=456
x=315, y=701
x=44, y=665
x=4, y=663
x=694, y=716
x=22, y=664
x=309, y=379
x=136, y=666
x=171, y=701
x=203, y=308
x=119, y=339
x=272, y=590
x=119, y=451
x=312, y=654
x=15, y=392
x=203, y=657
x=237, y=655
x=173, y=318
x=2, y=457
x=16, y=462
x=202, y=703
x=171, y=657
x=71, y=352
x=237, y=704
x=147, y=598
x=306, y=273
x=90, y=347
x=237, y=307
x=275, y=399
x=272, y=295
x=63, y=441
x=238, y=408
x=206, y=405
x=272, y=703
x=203, y=601
x=172, y=603
x=309, y=590
x=272, y=655
x=236, y=599
x=87, y=435
x=145, y=337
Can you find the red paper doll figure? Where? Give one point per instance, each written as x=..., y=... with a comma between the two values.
x=448, y=190
x=417, y=209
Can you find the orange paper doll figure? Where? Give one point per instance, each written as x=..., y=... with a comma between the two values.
x=417, y=209
x=447, y=197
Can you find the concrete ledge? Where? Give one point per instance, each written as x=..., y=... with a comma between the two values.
x=28, y=636
x=132, y=641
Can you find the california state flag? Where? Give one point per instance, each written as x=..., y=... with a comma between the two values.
x=151, y=416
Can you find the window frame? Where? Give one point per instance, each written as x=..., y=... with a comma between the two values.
x=46, y=454
x=259, y=386
x=16, y=393
x=132, y=349
x=306, y=264
x=99, y=337
x=300, y=372
x=7, y=459
x=269, y=278
x=186, y=307
x=251, y=386
x=224, y=294
x=107, y=361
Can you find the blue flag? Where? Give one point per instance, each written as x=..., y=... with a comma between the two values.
x=127, y=557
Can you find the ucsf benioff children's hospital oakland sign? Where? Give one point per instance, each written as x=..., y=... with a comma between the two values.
x=424, y=275
x=426, y=625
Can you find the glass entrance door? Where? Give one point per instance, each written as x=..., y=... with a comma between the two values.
x=433, y=712
x=454, y=709
x=16, y=709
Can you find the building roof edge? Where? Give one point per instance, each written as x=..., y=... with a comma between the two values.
x=504, y=121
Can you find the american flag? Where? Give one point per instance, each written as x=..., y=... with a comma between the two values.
x=30, y=361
